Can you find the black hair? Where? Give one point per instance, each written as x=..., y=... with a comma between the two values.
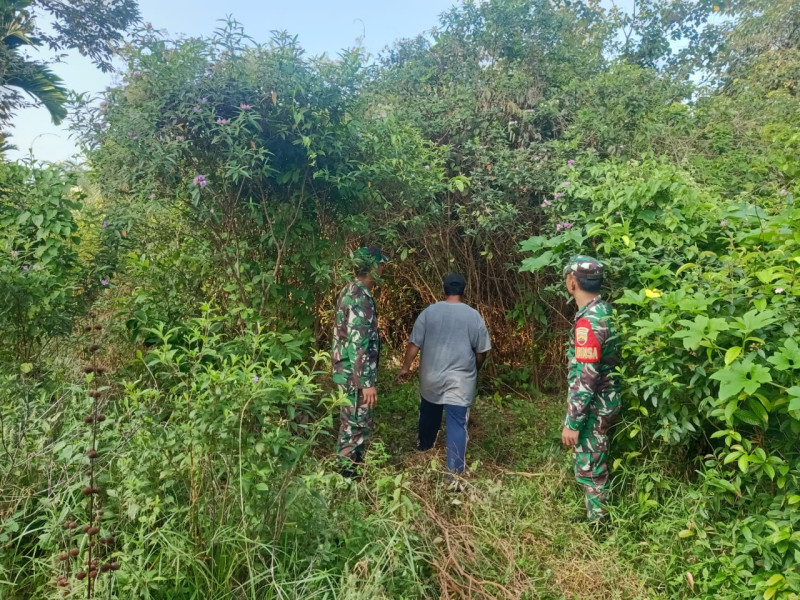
x=454, y=284
x=590, y=285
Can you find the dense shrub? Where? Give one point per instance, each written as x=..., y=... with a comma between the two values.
x=706, y=290
x=229, y=182
x=41, y=277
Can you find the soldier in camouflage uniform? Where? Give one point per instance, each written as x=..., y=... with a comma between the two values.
x=593, y=397
x=355, y=353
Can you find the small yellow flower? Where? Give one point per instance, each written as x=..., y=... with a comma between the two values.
x=716, y=8
x=654, y=293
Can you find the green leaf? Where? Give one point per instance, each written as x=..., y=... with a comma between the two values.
x=701, y=330
x=755, y=319
x=747, y=417
x=775, y=580
x=732, y=354
x=730, y=410
x=744, y=376
x=535, y=243
x=655, y=324
x=631, y=297
x=787, y=357
x=758, y=409
x=743, y=463
x=38, y=220
x=534, y=264
x=794, y=394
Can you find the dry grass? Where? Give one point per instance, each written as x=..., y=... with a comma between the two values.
x=508, y=535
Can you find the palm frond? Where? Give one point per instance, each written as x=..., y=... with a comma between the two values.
x=42, y=84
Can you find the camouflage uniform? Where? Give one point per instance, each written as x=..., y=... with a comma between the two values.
x=356, y=348
x=593, y=397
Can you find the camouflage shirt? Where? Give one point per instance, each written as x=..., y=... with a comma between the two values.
x=593, y=355
x=356, y=344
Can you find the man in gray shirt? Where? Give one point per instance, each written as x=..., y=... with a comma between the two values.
x=454, y=343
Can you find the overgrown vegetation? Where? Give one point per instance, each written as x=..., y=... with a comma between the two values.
x=181, y=289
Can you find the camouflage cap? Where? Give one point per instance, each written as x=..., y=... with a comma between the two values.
x=585, y=267
x=369, y=257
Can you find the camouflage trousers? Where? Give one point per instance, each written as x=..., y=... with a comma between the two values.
x=591, y=463
x=355, y=426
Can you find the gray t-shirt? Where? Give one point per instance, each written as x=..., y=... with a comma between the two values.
x=448, y=335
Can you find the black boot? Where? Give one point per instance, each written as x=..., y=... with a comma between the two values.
x=351, y=469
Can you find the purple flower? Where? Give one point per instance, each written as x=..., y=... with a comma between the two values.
x=25, y=267
x=14, y=254
x=104, y=103
x=152, y=196
x=200, y=180
x=105, y=224
x=570, y=162
x=567, y=225
x=211, y=211
x=546, y=203
x=567, y=184
x=37, y=267
x=132, y=135
x=179, y=138
x=203, y=100
x=255, y=378
x=104, y=282
x=784, y=191
x=149, y=25
x=196, y=110
x=245, y=106
x=723, y=223
x=136, y=73
x=559, y=195
x=619, y=213
x=221, y=121
x=779, y=290
x=559, y=226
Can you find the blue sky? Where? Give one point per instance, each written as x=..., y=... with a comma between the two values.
x=322, y=26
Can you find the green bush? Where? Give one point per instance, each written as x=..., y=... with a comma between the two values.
x=40, y=275
x=707, y=312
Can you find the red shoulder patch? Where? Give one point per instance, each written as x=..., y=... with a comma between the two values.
x=587, y=348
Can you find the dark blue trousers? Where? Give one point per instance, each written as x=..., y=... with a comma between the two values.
x=430, y=421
